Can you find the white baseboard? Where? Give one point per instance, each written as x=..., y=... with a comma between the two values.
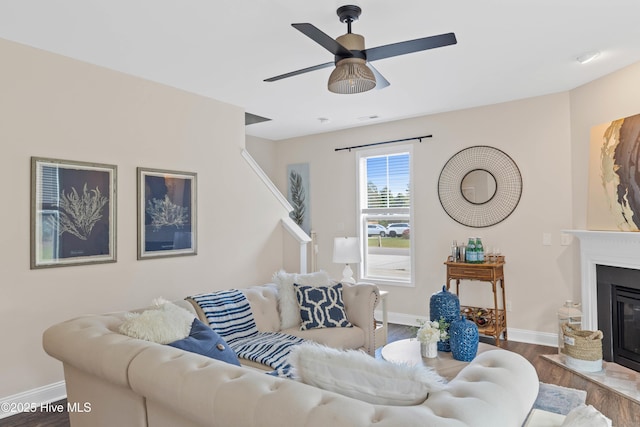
x=519, y=335
x=15, y=404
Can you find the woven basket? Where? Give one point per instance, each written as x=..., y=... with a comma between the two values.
x=580, y=344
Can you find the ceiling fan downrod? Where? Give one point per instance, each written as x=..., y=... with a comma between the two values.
x=348, y=14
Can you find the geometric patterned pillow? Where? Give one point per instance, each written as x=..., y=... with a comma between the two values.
x=321, y=307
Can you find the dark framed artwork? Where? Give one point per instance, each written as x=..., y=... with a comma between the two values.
x=167, y=213
x=73, y=213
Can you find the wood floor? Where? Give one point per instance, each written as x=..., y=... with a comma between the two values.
x=622, y=412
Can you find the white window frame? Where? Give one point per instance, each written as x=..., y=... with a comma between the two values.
x=363, y=213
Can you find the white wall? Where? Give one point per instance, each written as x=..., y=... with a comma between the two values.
x=534, y=132
x=52, y=106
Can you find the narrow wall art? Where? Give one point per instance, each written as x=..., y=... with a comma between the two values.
x=614, y=176
x=167, y=213
x=73, y=213
x=298, y=195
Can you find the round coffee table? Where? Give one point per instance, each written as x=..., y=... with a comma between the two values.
x=407, y=351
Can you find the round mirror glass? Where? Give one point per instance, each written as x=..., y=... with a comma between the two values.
x=478, y=186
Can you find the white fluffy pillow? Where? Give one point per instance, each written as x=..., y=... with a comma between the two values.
x=289, y=308
x=164, y=324
x=355, y=374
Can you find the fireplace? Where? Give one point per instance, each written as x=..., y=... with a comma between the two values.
x=618, y=296
x=614, y=250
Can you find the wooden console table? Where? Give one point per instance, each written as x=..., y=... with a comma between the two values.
x=493, y=272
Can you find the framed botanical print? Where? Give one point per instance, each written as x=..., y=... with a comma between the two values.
x=167, y=213
x=73, y=213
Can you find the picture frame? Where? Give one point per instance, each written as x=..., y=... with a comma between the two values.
x=73, y=213
x=167, y=213
x=298, y=195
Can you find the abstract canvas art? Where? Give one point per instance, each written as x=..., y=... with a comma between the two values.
x=614, y=176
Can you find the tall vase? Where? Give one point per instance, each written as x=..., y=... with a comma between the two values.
x=444, y=305
x=429, y=349
x=464, y=339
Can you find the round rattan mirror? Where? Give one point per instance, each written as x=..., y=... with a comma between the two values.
x=479, y=186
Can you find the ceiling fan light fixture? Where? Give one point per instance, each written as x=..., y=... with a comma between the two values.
x=351, y=75
x=587, y=57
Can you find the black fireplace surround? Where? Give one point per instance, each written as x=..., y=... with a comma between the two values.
x=619, y=314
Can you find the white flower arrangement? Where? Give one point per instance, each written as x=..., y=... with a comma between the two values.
x=432, y=331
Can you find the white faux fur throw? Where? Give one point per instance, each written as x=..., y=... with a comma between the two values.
x=586, y=416
x=355, y=374
x=163, y=324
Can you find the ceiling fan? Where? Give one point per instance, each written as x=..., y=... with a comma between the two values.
x=353, y=71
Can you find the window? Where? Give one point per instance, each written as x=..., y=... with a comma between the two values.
x=385, y=215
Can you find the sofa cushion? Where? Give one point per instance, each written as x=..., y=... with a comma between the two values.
x=321, y=306
x=205, y=341
x=343, y=338
x=163, y=324
x=289, y=309
x=355, y=374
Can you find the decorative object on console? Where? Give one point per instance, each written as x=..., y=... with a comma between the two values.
x=464, y=339
x=167, y=213
x=355, y=374
x=479, y=186
x=346, y=250
x=321, y=307
x=614, y=197
x=287, y=300
x=73, y=213
x=446, y=306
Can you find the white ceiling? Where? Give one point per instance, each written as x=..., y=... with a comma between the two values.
x=223, y=49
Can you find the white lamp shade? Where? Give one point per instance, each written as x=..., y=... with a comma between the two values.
x=346, y=250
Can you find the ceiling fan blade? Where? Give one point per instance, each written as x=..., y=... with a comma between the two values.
x=409, y=46
x=381, y=82
x=323, y=39
x=302, y=71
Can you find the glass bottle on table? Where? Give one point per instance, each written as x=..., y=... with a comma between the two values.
x=455, y=254
x=479, y=251
x=471, y=251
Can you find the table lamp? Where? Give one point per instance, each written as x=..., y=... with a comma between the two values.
x=346, y=250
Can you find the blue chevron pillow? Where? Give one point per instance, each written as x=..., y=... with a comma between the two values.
x=321, y=307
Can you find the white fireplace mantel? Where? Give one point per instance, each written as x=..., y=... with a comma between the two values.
x=614, y=248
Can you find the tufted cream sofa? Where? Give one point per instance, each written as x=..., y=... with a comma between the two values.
x=131, y=382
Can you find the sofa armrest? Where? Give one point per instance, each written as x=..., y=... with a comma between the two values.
x=360, y=301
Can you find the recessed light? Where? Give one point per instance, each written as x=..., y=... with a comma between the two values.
x=371, y=117
x=588, y=57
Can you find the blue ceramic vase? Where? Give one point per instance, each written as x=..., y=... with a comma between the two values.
x=444, y=305
x=463, y=336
